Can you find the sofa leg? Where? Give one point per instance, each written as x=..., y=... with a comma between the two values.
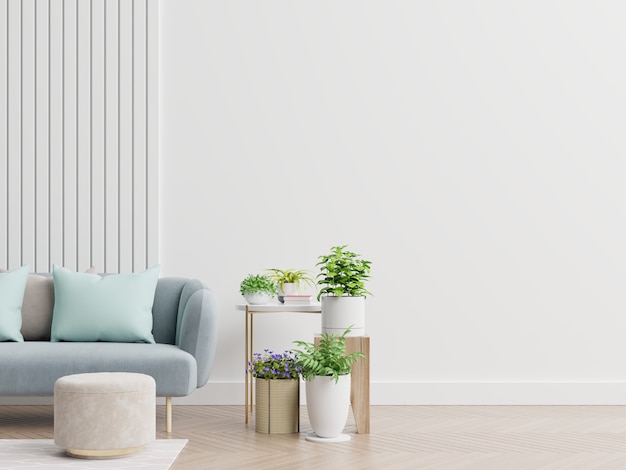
x=168, y=414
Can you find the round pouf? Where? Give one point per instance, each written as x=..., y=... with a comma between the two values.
x=105, y=414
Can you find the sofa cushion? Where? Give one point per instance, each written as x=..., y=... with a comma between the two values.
x=116, y=307
x=12, y=286
x=37, y=306
x=32, y=367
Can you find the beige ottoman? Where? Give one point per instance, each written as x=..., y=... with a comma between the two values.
x=104, y=415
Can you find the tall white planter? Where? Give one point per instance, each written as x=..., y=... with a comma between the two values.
x=339, y=313
x=328, y=404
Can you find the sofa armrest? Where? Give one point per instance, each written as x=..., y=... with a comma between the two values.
x=197, y=327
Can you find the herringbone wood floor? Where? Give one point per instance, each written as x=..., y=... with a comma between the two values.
x=403, y=437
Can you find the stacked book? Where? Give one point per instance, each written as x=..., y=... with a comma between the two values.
x=297, y=299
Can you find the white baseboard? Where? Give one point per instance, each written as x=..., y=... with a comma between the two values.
x=452, y=393
x=498, y=393
x=424, y=393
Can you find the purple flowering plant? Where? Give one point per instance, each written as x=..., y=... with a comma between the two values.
x=270, y=365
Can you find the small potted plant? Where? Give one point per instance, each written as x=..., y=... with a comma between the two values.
x=326, y=369
x=277, y=378
x=257, y=289
x=342, y=276
x=289, y=281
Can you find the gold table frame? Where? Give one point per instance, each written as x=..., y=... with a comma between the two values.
x=250, y=311
x=360, y=382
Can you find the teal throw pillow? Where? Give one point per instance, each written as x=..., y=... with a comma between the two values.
x=12, y=286
x=116, y=308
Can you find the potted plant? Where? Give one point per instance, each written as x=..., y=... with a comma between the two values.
x=277, y=378
x=289, y=281
x=326, y=369
x=257, y=289
x=342, y=276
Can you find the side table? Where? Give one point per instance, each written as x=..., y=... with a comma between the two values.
x=360, y=382
x=251, y=311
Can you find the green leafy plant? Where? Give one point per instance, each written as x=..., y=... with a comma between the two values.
x=328, y=358
x=257, y=284
x=342, y=272
x=285, y=276
x=271, y=365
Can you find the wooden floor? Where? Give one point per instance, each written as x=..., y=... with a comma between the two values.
x=403, y=437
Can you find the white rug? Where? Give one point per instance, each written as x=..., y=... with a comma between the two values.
x=44, y=454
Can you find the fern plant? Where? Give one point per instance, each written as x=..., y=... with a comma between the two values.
x=328, y=358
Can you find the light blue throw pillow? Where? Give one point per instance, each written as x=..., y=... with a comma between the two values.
x=12, y=286
x=116, y=308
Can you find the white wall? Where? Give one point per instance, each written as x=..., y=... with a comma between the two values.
x=473, y=150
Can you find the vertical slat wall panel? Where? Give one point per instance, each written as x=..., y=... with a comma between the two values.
x=152, y=131
x=79, y=134
x=111, y=174
x=140, y=129
x=14, y=133
x=27, y=181
x=56, y=129
x=83, y=134
x=97, y=135
x=42, y=136
x=3, y=132
x=125, y=116
x=69, y=118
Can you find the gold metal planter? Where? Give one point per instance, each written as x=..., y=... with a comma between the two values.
x=277, y=406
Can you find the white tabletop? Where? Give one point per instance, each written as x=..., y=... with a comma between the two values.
x=277, y=307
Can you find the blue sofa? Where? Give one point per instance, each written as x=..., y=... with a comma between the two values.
x=185, y=332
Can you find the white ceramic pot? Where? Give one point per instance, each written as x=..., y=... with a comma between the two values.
x=289, y=288
x=339, y=313
x=258, y=298
x=328, y=404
